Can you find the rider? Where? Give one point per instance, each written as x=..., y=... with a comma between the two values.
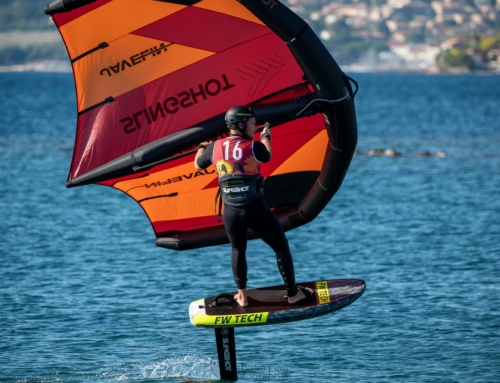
x=237, y=160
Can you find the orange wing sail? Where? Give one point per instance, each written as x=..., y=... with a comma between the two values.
x=154, y=78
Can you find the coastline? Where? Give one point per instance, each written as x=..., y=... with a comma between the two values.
x=42, y=66
x=64, y=66
x=393, y=61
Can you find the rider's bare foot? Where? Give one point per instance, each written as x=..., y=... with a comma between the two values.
x=300, y=295
x=241, y=297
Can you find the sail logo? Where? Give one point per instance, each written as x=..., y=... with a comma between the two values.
x=179, y=178
x=271, y=3
x=173, y=104
x=136, y=59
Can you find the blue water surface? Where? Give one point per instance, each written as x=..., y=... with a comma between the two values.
x=85, y=296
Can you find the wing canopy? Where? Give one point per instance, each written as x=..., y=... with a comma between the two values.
x=154, y=78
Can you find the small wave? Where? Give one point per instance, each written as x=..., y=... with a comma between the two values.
x=187, y=366
x=175, y=368
x=395, y=153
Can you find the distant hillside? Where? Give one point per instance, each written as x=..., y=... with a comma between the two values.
x=28, y=15
x=384, y=34
x=27, y=34
x=24, y=15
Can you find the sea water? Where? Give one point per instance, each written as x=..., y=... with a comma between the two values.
x=85, y=296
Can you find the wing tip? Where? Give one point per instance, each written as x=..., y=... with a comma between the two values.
x=61, y=6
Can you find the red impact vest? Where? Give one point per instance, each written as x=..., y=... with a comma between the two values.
x=238, y=170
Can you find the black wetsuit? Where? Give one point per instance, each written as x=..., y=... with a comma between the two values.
x=258, y=217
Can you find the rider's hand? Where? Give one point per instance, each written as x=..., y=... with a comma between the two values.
x=266, y=131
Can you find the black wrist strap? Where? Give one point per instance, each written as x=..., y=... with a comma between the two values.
x=265, y=135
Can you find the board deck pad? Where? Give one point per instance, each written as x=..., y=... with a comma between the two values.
x=268, y=305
